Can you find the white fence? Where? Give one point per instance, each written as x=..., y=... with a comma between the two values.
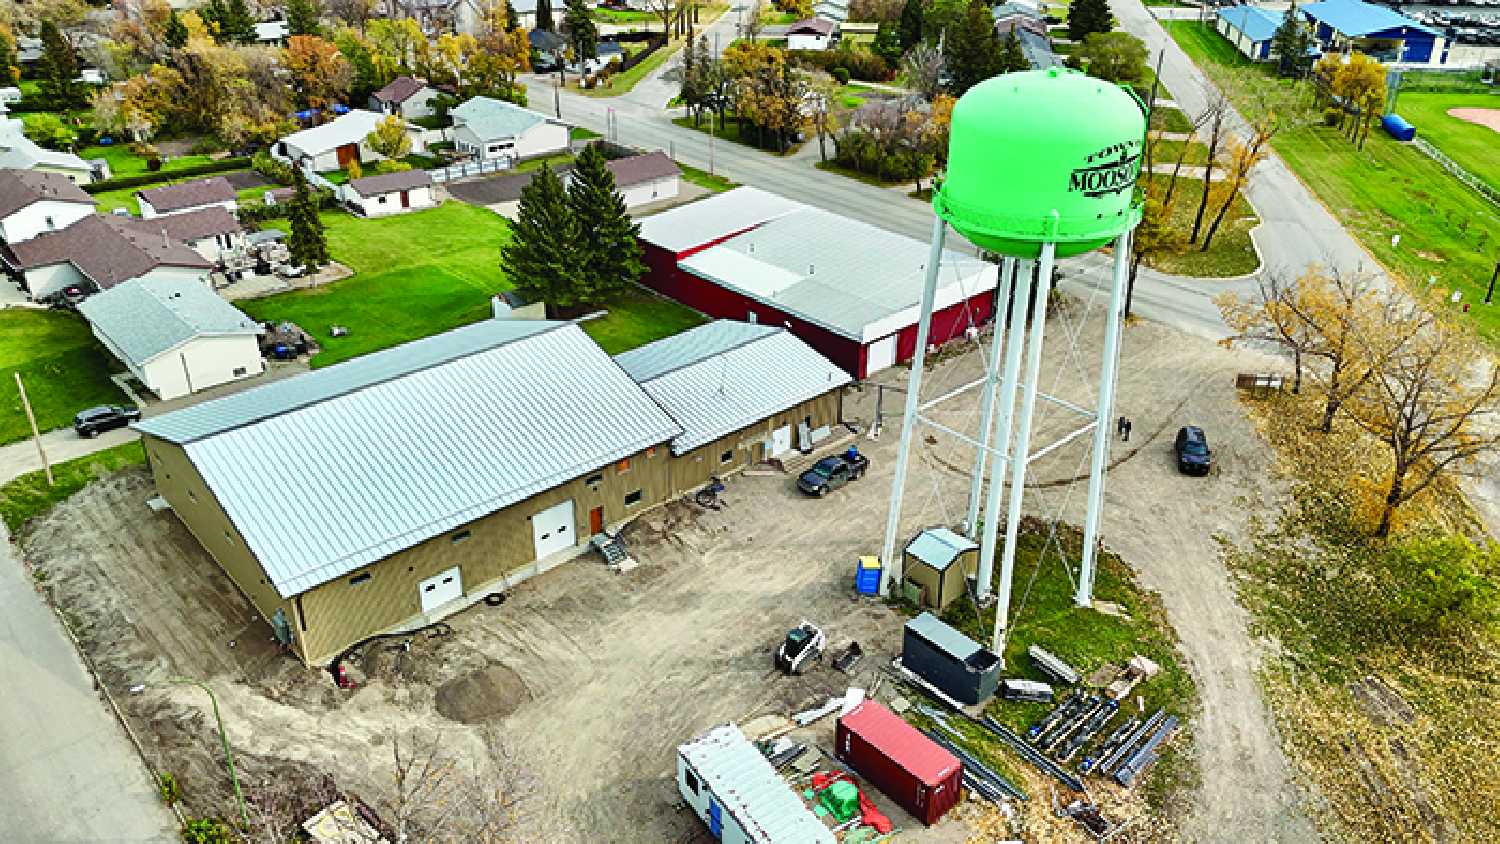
x=1463, y=175
x=470, y=168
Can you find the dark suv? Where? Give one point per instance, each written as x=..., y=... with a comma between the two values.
x=1193, y=455
x=106, y=417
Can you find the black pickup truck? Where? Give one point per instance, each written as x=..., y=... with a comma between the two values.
x=833, y=472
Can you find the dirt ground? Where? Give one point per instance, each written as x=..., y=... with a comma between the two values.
x=595, y=677
x=1489, y=117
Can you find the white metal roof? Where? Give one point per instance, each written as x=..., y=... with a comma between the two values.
x=718, y=378
x=939, y=547
x=711, y=218
x=330, y=471
x=751, y=791
x=852, y=278
x=147, y=317
x=348, y=128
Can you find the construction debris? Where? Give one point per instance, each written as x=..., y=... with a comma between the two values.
x=1052, y=666
x=1140, y=668
x=850, y=657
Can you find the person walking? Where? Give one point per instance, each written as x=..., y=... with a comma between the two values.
x=1126, y=429
x=1120, y=426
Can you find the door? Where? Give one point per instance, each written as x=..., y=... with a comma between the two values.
x=552, y=529
x=441, y=588
x=346, y=154
x=880, y=354
x=715, y=818
x=596, y=521
x=405, y=199
x=781, y=440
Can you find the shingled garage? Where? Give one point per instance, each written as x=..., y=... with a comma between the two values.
x=850, y=290
x=399, y=486
x=742, y=393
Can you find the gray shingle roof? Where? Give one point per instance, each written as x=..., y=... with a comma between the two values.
x=189, y=194
x=20, y=188
x=107, y=249
x=330, y=471
x=719, y=378
x=639, y=169
x=389, y=182
x=751, y=791
x=490, y=118
x=193, y=225
x=148, y=317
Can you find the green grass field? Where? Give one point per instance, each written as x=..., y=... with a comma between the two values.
x=1230, y=254
x=1204, y=45
x=123, y=162
x=731, y=132
x=64, y=368
x=702, y=178
x=125, y=197
x=1475, y=147
x=29, y=495
x=430, y=271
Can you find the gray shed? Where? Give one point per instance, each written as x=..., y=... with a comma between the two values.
x=957, y=665
x=939, y=563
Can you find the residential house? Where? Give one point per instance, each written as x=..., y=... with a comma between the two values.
x=391, y=193
x=832, y=10
x=549, y=47
x=174, y=334
x=34, y=202
x=96, y=253
x=646, y=178
x=1344, y=26
x=406, y=97
x=811, y=34
x=18, y=152
x=1030, y=29
x=848, y=289
x=216, y=192
x=213, y=231
x=1250, y=29
x=488, y=129
x=333, y=145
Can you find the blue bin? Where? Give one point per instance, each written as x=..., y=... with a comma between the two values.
x=1396, y=126
x=867, y=575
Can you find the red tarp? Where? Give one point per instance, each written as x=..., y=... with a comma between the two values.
x=869, y=813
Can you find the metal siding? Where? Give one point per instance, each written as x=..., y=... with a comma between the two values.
x=750, y=790
x=693, y=469
x=887, y=751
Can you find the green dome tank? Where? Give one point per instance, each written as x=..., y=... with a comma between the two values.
x=1043, y=155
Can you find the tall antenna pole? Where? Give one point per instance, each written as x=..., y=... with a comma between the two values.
x=36, y=435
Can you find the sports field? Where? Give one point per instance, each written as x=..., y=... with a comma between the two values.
x=1474, y=146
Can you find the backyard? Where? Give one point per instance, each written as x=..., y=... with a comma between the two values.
x=423, y=273
x=64, y=368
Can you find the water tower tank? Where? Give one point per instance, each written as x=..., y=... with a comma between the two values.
x=1043, y=155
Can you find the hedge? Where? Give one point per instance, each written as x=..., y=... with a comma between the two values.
x=222, y=166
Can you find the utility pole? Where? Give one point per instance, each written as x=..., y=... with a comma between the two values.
x=37, y=435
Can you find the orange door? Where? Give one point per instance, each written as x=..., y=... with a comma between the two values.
x=596, y=521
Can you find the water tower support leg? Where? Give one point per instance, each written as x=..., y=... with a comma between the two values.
x=1106, y=414
x=1015, y=339
x=1004, y=291
x=1022, y=450
x=890, y=563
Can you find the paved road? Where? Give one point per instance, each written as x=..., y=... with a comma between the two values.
x=70, y=773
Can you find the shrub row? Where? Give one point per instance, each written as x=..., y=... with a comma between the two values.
x=160, y=176
x=859, y=63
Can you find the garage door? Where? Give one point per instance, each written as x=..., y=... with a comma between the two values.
x=880, y=354
x=441, y=588
x=552, y=529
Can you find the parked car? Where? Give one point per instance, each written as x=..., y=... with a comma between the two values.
x=830, y=473
x=1193, y=454
x=91, y=422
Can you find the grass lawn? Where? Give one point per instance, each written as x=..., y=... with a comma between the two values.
x=624, y=16
x=426, y=272
x=868, y=179
x=1231, y=252
x=64, y=368
x=730, y=131
x=578, y=133
x=123, y=162
x=621, y=83
x=1166, y=152
x=1476, y=147
x=554, y=161
x=702, y=178
x=29, y=496
x=1204, y=45
x=1170, y=120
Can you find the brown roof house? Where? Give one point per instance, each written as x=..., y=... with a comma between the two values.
x=642, y=179
x=211, y=231
x=188, y=196
x=390, y=193
x=97, y=253
x=811, y=34
x=34, y=202
x=407, y=97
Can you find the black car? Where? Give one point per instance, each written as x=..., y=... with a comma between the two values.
x=833, y=472
x=106, y=417
x=1193, y=454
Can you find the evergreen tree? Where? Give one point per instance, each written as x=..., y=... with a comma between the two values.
x=887, y=44
x=1088, y=16
x=175, y=35
x=543, y=259
x=1289, y=44
x=911, y=24
x=544, y=15
x=58, y=70
x=611, y=259
x=972, y=50
x=237, y=25
x=579, y=19
x=307, y=243
x=302, y=17
x=512, y=20
x=1012, y=57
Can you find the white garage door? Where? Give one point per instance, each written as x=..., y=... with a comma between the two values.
x=441, y=588
x=781, y=440
x=881, y=355
x=552, y=529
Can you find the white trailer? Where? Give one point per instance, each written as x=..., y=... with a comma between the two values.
x=733, y=789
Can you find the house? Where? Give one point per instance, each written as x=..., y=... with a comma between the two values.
x=334, y=144
x=509, y=304
x=848, y=289
x=96, y=253
x=1030, y=29
x=811, y=34
x=1250, y=29
x=525, y=13
x=742, y=394
x=1343, y=26
x=216, y=192
x=459, y=463
x=406, y=97
x=18, y=152
x=734, y=790
x=174, y=334
x=34, y=202
x=937, y=567
x=272, y=33
x=487, y=129
x=646, y=178
x=391, y=193
x=212, y=231
x=549, y=47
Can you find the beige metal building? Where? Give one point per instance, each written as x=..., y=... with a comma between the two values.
x=396, y=488
x=938, y=563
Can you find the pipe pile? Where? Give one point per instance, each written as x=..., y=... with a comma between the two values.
x=1111, y=743
x=1059, y=712
x=1143, y=757
x=1031, y=754
x=1124, y=749
x=987, y=783
x=1090, y=728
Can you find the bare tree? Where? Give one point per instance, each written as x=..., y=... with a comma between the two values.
x=355, y=13
x=1215, y=123
x=1268, y=317
x=438, y=797
x=923, y=66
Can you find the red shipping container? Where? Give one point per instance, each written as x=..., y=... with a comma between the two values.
x=913, y=770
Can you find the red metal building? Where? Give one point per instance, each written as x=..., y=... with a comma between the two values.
x=850, y=290
x=912, y=769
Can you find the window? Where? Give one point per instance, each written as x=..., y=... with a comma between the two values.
x=460, y=537
x=632, y=498
x=50, y=224
x=726, y=456
x=381, y=200
x=239, y=371
x=690, y=779
x=593, y=481
x=359, y=578
x=623, y=466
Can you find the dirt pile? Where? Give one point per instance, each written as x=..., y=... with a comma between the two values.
x=484, y=695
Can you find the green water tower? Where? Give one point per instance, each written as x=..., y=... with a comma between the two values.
x=1043, y=155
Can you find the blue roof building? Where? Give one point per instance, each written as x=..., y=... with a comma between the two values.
x=1250, y=29
x=1343, y=26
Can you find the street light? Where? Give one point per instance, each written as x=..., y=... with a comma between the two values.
x=223, y=739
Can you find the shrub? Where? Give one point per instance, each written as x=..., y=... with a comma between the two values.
x=277, y=171
x=168, y=788
x=222, y=166
x=1443, y=584
x=1332, y=115
x=858, y=61
x=207, y=831
x=153, y=164
x=842, y=75
x=389, y=166
x=207, y=145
